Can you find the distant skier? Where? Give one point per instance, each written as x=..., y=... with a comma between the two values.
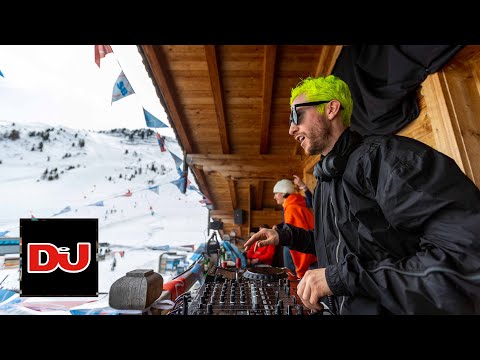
x=114, y=263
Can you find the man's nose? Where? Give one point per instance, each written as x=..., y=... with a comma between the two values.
x=293, y=128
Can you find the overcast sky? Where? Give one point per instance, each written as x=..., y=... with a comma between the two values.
x=62, y=85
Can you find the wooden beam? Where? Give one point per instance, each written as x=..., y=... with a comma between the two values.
x=202, y=182
x=217, y=92
x=233, y=193
x=220, y=214
x=238, y=166
x=443, y=126
x=250, y=175
x=268, y=74
x=162, y=78
x=309, y=162
x=200, y=159
x=259, y=195
x=327, y=59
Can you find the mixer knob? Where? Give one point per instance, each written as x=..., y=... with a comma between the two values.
x=300, y=309
x=209, y=309
x=278, y=310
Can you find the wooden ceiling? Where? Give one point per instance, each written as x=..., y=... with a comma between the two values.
x=229, y=107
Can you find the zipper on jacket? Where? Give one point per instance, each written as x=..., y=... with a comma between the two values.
x=338, y=246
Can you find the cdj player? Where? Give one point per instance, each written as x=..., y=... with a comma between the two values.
x=251, y=291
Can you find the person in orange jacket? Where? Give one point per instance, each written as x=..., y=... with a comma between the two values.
x=296, y=213
x=262, y=255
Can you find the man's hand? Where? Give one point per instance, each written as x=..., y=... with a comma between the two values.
x=297, y=181
x=262, y=238
x=312, y=287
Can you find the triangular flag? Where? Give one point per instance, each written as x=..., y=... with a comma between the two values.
x=122, y=88
x=3, y=233
x=98, y=203
x=101, y=51
x=178, y=161
x=1, y=74
x=66, y=209
x=180, y=183
x=128, y=193
x=152, y=121
x=154, y=188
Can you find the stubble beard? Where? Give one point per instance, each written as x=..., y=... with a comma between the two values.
x=319, y=139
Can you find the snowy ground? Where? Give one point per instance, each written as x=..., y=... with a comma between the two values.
x=92, y=183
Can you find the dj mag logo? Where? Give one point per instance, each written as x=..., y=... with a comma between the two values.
x=58, y=257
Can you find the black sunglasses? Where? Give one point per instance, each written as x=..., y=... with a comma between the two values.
x=293, y=112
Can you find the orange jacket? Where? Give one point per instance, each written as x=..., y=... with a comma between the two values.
x=296, y=213
x=263, y=254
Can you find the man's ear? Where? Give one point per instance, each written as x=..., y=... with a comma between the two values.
x=333, y=109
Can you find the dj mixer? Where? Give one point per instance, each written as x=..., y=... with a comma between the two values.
x=251, y=291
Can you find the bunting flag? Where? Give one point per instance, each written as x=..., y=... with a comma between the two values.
x=180, y=183
x=178, y=161
x=67, y=209
x=154, y=188
x=152, y=121
x=128, y=193
x=1, y=74
x=98, y=203
x=3, y=233
x=122, y=88
x=101, y=51
x=161, y=142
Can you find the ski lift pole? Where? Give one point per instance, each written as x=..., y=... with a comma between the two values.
x=185, y=173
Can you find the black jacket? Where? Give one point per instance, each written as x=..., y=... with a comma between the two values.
x=398, y=233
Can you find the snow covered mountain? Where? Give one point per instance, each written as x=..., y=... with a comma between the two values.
x=120, y=177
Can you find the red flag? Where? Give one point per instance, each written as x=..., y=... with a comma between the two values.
x=161, y=142
x=101, y=51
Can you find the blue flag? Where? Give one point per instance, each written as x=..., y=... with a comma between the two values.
x=98, y=203
x=1, y=74
x=122, y=88
x=178, y=161
x=66, y=209
x=180, y=183
x=152, y=121
x=154, y=188
x=3, y=233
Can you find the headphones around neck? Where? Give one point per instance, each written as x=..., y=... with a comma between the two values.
x=333, y=164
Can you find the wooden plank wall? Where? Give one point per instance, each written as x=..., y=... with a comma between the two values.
x=452, y=98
